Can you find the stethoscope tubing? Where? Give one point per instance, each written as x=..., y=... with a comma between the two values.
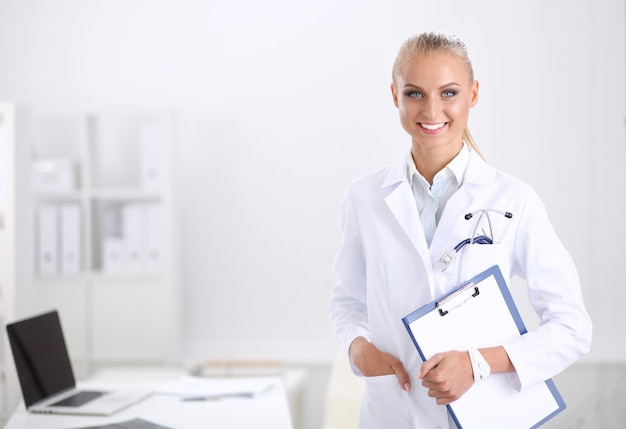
x=485, y=212
x=450, y=255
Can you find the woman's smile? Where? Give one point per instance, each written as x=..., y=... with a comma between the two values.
x=432, y=128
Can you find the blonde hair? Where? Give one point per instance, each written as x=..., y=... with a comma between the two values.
x=432, y=43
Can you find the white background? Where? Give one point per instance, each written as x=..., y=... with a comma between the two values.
x=280, y=103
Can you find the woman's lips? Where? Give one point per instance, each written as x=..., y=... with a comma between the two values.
x=432, y=128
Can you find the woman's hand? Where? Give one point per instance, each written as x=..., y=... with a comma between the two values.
x=373, y=362
x=447, y=376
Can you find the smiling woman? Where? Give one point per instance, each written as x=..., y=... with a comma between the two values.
x=434, y=94
x=275, y=101
x=448, y=79
x=397, y=222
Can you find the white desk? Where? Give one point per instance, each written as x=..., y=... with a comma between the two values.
x=267, y=410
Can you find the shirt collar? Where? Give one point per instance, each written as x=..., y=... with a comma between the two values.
x=455, y=167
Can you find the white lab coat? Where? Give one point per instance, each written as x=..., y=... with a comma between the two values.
x=385, y=271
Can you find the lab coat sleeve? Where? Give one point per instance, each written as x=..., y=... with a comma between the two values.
x=554, y=291
x=348, y=302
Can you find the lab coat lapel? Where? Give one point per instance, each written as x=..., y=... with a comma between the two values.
x=401, y=202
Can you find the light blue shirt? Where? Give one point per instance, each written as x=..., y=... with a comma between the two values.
x=430, y=201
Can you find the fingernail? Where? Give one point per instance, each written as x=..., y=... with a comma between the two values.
x=407, y=387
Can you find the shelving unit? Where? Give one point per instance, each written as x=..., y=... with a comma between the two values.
x=15, y=236
x=99, y=220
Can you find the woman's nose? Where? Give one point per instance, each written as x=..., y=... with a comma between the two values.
x=430, y=108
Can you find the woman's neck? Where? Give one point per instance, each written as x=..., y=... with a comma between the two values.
x=430, y=161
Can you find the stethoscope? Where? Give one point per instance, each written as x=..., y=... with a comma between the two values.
x=450, y=255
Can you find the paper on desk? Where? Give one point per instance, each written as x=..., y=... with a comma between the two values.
x=137, y=423
x=190, y=386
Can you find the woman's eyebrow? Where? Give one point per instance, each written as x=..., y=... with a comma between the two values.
x=447, y=85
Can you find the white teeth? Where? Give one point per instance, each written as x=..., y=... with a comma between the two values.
x=433, y=127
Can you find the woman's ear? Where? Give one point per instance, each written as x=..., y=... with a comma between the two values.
x=474, y=92
x=394, y=94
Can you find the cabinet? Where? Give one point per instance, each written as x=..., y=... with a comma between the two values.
x=99, y=234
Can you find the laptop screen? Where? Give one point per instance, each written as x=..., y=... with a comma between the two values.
x=41, y=359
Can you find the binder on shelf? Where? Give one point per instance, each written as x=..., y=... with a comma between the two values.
x=481, y=313
x=132, y=238
x=113, y=255
x=70, y=238
x=113, y=249
x=132, y=232
x=152, y=250
x=47, y=251
x=150, y=157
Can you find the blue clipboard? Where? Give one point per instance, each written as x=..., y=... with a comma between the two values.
x=481, y=313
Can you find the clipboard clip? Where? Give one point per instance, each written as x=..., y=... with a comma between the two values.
x=457, y=298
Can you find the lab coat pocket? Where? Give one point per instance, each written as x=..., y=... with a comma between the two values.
x=385, y=404
x=476, y=258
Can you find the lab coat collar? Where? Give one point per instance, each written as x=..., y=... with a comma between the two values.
x=401, y=201
x=397, y=173
x=478, y=172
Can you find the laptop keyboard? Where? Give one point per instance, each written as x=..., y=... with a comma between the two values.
x=79, y=399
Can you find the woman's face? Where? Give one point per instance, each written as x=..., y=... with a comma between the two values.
x=434, y=94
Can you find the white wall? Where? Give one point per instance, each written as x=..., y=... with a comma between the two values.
x=281, y=103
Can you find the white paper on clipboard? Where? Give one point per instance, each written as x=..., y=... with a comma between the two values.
x=482, y=313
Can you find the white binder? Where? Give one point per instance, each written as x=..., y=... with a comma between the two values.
x=152, y=234
x=481, y=313
x=113, y=254
x=150, y=156
x=113, y=245
x=132, y=232
x=48, y=240
x=70, y=238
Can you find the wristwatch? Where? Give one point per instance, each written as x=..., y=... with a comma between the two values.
x=480, y=367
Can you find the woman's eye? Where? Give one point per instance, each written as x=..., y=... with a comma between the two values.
x=413, y=94
x=449, y=93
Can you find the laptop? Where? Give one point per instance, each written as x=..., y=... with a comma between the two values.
x=46, y=375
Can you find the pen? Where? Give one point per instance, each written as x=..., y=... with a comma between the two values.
x=216, y=397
